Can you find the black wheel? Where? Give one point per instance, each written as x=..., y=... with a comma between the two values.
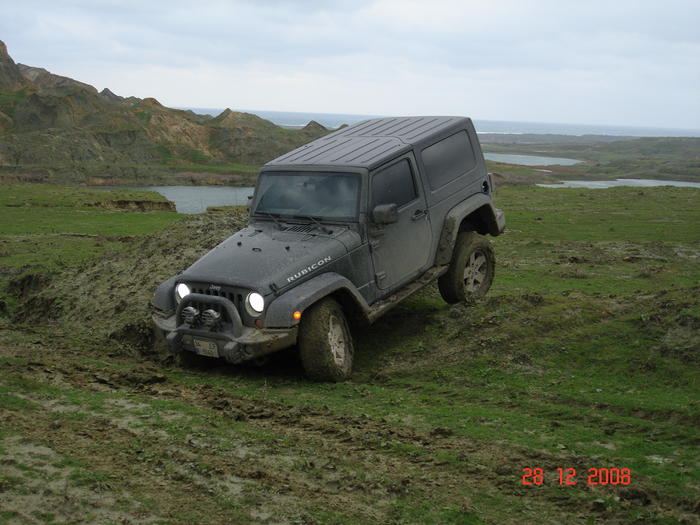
x=471, y=269
x=325, y=342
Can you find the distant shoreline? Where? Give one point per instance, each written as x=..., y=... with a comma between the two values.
x=297, y=120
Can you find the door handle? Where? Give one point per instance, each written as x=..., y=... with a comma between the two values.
x=419, y=214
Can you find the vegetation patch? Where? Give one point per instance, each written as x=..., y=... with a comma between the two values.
x=660, y=158
x=584, y=355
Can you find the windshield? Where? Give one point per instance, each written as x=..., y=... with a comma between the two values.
x=322, y=195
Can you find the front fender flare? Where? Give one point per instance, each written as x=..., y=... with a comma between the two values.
x=279, y=313
x=164, y=296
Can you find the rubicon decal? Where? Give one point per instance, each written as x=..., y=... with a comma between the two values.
x=309, y=269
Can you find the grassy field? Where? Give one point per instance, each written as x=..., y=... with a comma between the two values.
x=584, y=355
x=662, y=158
x=122, y=174
x=47, y=229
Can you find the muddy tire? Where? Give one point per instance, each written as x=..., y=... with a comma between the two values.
x=471, y=269
x=325, y=342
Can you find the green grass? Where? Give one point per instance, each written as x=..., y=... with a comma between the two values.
x=20, y=221
x=9, y=99
x=171, y=170
x=583, y=355
x=52, y=196
x=665, y=158
x=57, y=227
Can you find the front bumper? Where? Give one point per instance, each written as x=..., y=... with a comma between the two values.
x=230, y=340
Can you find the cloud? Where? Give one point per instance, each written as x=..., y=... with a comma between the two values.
x=632, y=62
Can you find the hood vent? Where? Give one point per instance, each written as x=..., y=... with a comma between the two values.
x=301, y=228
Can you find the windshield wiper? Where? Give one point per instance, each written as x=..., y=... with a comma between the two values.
x=272, y=216
x=315, y=221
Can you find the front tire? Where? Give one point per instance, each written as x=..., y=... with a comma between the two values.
x=325, y=342
x=471, y=270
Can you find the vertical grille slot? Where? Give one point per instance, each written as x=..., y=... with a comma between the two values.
x=231, y=294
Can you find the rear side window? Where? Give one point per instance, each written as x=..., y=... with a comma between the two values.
x=446, y=160
x=394, y=185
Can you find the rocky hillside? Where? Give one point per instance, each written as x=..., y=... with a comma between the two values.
x=10, y=76
x=57, y=128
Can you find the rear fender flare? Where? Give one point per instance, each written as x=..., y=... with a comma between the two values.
x=454, y=218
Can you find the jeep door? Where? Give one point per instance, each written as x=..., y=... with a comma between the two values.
x=400, y=250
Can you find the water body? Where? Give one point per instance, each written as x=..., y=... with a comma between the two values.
x=295, y=119
x=196, y=199
x=601, y=184
x=530, y=160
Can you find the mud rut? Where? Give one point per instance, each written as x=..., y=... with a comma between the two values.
x=356, y=466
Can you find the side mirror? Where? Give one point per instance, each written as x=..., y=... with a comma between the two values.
x=385, y=214
x=249, y=201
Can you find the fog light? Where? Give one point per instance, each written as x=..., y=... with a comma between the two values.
x=190, y=315
x=211, y=318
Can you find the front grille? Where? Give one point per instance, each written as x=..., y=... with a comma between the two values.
x=232, y=294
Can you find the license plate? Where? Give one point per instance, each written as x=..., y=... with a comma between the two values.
x=207, y=348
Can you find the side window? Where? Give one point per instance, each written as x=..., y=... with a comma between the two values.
x=446, y=160
x=394, y=185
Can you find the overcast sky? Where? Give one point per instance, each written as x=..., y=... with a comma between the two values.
x=617, y=62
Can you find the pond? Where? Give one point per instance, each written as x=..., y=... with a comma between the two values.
x=600, y=184
x=530, y=160
x=196, y=199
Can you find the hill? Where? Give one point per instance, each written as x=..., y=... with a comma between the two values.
x=54, y=128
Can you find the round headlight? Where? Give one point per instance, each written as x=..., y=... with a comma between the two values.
x=256, y=302
x=181, y=290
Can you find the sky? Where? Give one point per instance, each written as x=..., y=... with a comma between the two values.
x=611, y=62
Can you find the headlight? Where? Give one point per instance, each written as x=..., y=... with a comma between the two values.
x=256, y=302
x=181, y=290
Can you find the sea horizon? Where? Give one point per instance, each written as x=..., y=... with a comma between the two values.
x=297, y=119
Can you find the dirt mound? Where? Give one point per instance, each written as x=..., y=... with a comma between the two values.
x=109, y=297
x=136, y=205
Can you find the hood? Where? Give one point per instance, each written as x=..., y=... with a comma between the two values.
x=262, y=255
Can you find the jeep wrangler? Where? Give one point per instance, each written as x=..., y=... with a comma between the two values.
x=341, y=229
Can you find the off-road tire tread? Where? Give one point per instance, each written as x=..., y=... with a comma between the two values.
x=450, y=283
x=313, y=345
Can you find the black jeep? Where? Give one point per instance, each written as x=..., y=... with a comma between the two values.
x=342, y=228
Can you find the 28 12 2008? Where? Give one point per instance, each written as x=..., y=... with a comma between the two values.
x=570, y=476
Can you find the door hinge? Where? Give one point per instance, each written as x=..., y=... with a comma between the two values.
x=373, y=245
x=380, y=276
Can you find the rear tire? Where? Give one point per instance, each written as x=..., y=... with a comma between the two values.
x=471, y=269
x=325, y=342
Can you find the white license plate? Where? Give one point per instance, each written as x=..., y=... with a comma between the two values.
x=207, y=348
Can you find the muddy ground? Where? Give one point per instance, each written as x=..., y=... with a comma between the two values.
x=97, y=439
x=585, y=355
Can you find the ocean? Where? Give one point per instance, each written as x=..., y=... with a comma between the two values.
x=334, y=120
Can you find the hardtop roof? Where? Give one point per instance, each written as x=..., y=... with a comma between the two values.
x=371, y=142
